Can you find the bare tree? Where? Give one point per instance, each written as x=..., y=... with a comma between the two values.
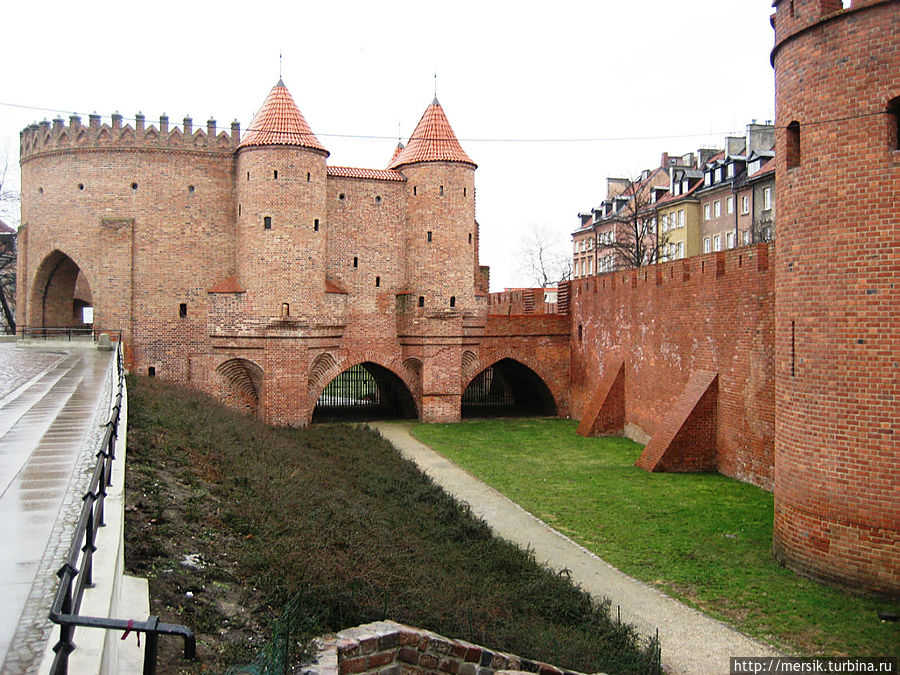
x=630, y=234
x=9, y=202
x=545, y=257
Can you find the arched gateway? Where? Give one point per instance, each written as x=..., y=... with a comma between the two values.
x=507, y=388
x=365, y=391
x=60, y=294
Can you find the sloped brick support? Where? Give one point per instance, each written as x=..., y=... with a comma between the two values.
x=605, y=414
x=686, y=441
x=388, y=648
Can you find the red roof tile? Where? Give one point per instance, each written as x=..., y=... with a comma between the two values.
x=279, y=122
x=229, y=285
x=397, y=151
x=432, y=141
x=373, y=174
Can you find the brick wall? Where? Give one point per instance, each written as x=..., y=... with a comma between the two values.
x=708, y=313
x=388, y=648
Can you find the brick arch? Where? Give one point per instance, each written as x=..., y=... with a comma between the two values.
x=53, y=290
x=544, y=373
x=395, y=365
x=319, y=369
x=244, y=381
x=470, y=367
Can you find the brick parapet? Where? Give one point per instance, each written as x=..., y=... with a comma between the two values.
x=46, y=137
x=389, y=648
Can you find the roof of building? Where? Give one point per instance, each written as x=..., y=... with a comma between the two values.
x=768, y=167
x=671, y=199
x=279, y=122
x=372, y=174
x=228, y=285
x=6, y=229
x=432, y=141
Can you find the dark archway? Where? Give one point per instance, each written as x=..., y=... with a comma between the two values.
x=507, y=388
x=61, y=294
x=365, y=392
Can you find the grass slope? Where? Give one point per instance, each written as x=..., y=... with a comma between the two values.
x=703, y=538
x=333, y=516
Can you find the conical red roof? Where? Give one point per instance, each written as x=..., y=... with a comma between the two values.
x=279, y=122
x=432, y=141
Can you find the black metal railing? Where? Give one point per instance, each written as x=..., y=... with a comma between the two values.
x=68, y=333
x=74, y=580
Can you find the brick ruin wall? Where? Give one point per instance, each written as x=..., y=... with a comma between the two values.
x=710, y=313
x=389, y=648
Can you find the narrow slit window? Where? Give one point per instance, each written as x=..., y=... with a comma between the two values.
x=308, y=176
x=415, y=190
x=355, y=261
x=275, y=174
x=151, y=371
x=453, y=301
x=316, y=225
x=421, y=301
x=377, y=282
x=470, y=237
x=429, y=235
x=442, y=190
x=267, y=223
x=182, y=310
x=894, y=122
x=285, y=310
x=792, y=144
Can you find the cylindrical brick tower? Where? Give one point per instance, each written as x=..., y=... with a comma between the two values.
x=440, y=235
x=837, y=387
x=280, y=185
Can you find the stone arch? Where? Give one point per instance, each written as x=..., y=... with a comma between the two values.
x=319, y=370
x=530, y=385
x=60, y=290
x=395, y=367
x=243, y=385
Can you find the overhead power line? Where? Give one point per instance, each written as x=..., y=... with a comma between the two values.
x=582, y=139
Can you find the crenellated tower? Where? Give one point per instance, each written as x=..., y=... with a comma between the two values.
x=280, y=181
x=837, y=452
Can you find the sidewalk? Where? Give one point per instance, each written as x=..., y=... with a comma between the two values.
x=48, y=403
x=692, y=643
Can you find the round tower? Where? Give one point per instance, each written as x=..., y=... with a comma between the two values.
x=837, y=456
x=281, y=187
x=440, y=233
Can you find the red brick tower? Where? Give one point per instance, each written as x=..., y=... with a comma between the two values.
x=281, y=188
x=440, y=255
x=440, y=245
x=837, y=455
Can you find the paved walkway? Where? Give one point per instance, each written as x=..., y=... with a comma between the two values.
x=48, y=403
x=692, y=643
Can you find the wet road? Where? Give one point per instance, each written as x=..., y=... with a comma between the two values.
x=48, y=404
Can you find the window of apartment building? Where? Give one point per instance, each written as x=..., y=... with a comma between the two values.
x=708, y=178
x=718, y=208
x=665, y=222
x=745, y=236
x=745, y=204
x=729, y=205
x=681, y=218
x=706, y=212
x=590, y=266
x=718, y=176
x=792, y=144
x=730, y=170
x=680, y=249
x=707, y=245
x=717, y=242
x=729, y=240
x=767, y=198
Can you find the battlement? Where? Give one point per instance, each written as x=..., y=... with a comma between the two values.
x=37, y=139
x=796, y=16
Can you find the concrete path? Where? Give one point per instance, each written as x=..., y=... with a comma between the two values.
x=691, y=642
x=48, y=403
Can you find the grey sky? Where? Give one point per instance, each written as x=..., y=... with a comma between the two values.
x=677, y=75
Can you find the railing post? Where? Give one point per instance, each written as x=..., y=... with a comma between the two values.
x=150, y=651
x=88, y=549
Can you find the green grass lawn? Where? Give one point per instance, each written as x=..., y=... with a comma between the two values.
x=703, y=538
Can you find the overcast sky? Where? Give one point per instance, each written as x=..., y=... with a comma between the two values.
x=518, y=81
